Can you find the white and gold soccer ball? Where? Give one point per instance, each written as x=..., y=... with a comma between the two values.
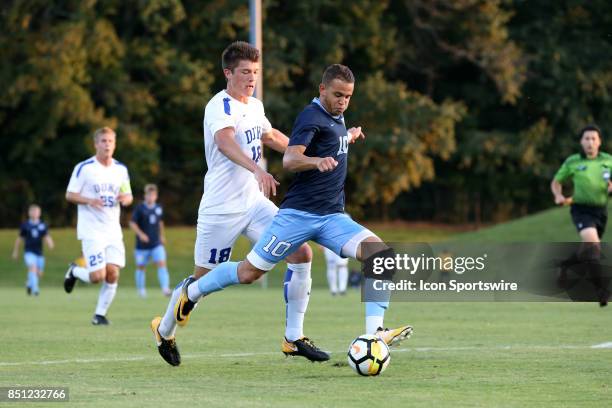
x=368, y=355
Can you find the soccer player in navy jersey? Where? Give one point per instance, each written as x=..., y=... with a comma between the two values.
x=313, y=208
x=147, y=222
x=32, y=233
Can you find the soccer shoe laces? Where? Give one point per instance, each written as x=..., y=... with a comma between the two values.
x=308, y=342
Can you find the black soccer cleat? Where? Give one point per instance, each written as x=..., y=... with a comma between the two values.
x=69, y=279
x=28, y=290
x=167, y=347
x=303, y=347
x=99, y=320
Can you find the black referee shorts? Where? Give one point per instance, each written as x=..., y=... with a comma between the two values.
x=587, y=216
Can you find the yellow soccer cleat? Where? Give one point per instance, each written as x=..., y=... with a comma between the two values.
x=184, y=306
x=166, y=347
x=394, y=336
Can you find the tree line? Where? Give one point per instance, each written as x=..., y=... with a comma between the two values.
x=469, y=106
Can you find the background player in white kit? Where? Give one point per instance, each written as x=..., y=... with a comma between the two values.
x=337, y=272
x=235, y=199
x=98, y=186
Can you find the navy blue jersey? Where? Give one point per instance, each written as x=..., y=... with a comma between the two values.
x=33, y=234
x=324, y=136
x=148, y=219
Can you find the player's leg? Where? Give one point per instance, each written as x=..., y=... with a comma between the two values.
x=40, y=270
x=95, y=269
x=332, y=276
x=342, y=268
x=232, y=273
x=590, y=255
x=289, y=229
x=297, y=280
x=115, y=260
x=590, y=224
x=215, y=238
x=141, y=257
x=159, y=257
x=345, y=237
x=30, y=260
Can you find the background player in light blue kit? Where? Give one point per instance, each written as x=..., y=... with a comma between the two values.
x=147, y=222
x=313, y=208
x=32, y=233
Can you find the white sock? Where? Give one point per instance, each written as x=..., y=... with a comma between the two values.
x=342, y=277
x=297, y=292
x=81, y=273
x=332, y=277
x=105, y=298
x=373, y=323
x=167, y=327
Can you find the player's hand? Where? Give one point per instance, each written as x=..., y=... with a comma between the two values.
x=96, y=203
x=124, y=199
x=144, y=238
x=326, y=164
x=267, y=182
x=15, y=255
x=355, y=133
x=609, y=186
x=162, y=240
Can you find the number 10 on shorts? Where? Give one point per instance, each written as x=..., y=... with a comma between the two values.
x=279, y=249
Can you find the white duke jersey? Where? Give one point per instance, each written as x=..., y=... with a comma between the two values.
x=91, y=179
x=228, y=187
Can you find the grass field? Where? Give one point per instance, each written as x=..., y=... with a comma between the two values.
x=462, y=354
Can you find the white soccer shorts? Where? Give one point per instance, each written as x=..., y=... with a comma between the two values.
x=217, y=233
x=98, y=253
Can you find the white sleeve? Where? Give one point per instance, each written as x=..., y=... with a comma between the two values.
x=76, y=180
x=125, y=183
x=219, y=116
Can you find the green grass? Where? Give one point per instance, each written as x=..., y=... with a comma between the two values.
x=553, y=225
x=180, y=255
x=462, y=354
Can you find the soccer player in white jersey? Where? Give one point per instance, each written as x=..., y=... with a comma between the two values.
x=235, y=200
x=337, y=272
x=99, y=185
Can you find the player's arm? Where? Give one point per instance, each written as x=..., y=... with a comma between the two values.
x=226, y=141
x=78, y=198
x=125, y=196
x=49, y=241
x=276, y=140
x=296, y=161
x=125, y=199
x=141, y=235
x=557, y=190
x=162, y=232
x=18, y=242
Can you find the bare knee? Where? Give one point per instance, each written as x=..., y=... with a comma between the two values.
x=97, y=276
x=247, y=273
x=302, y=255
x=112, y=273
x=161, y=264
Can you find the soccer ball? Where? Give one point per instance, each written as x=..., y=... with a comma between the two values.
x=368, y=355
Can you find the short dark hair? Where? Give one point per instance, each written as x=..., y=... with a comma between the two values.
x=338, y=71
x=236, y=52
x=590, y=127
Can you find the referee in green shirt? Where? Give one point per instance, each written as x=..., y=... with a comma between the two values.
x=589, y=172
